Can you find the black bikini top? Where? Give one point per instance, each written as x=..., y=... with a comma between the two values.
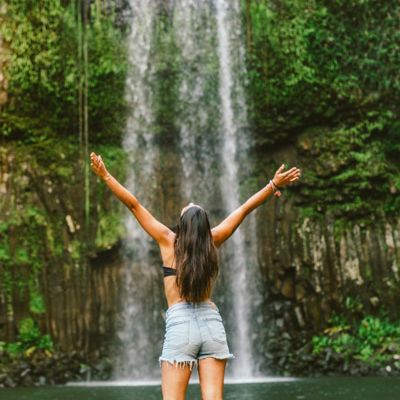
x=168, y=271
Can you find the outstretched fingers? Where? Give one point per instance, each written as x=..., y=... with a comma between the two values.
x=294, y=178
x=280, y=168
x=290, y=171
x=291, y=175
x=95, y=159
x=96, y=163
x=294, y=175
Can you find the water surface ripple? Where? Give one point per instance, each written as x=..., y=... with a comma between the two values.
x=332, y=388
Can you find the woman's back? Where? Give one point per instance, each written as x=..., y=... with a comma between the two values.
x=169, y=272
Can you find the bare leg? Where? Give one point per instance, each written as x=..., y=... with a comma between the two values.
x=174, y=380
x=211, y=377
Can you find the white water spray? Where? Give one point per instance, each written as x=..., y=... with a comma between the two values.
x=233, y=114
x=133, y=334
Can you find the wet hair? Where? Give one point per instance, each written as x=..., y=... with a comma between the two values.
x=195, y=254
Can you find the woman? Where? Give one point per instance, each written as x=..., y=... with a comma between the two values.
x=195, y=332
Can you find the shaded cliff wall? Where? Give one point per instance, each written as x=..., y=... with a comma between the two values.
x=330, y=243
x=43, y=270
x=48, y=265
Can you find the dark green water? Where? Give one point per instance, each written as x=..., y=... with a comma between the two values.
x=365, y=388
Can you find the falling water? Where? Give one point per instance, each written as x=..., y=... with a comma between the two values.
x=210, y=40
x=213, y=148
x=132, y=360
x=198, y=98
x=233, y=112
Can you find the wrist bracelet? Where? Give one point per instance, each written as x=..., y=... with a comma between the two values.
x=275, y=188
x=107, y=177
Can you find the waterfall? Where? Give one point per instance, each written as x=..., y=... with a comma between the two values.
x=132, y=361
x=233, y=118
x=213, y=144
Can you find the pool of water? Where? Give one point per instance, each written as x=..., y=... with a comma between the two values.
x=340, y=388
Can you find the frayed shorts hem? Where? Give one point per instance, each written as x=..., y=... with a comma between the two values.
x=191, y=363
x=179, y=363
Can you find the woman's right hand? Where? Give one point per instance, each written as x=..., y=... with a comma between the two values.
x=284, y=178
x=97, y=165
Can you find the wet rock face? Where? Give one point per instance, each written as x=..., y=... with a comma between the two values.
x=52, y=369
x=316, y=260
x=329, y=221
x=44, y=247
x=320, y=251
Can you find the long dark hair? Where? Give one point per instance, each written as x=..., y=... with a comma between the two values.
x=196, y=255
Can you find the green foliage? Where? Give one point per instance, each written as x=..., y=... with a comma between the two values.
x=107, y=70
x=353, y=305
x=372, y=340
x=44, y=71
x=319, y=61
x=109, y=226
x=29, y=339
x=36, y=302
x=26, y=254
x=39, y=231
x=350, y=170
x=36, y=67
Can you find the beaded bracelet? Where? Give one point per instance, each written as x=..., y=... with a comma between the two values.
x=275, y=188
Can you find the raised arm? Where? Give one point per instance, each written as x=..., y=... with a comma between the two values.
x=226, y=228
x=151, y=225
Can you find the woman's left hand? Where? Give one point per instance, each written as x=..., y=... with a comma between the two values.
x=284, y=178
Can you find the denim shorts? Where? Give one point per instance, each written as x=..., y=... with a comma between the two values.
x=194, y=331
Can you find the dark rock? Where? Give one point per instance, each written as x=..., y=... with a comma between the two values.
x=305, y=350
x=103, y=369
x=28, y=380
x=282, y=361
x=8, y=382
